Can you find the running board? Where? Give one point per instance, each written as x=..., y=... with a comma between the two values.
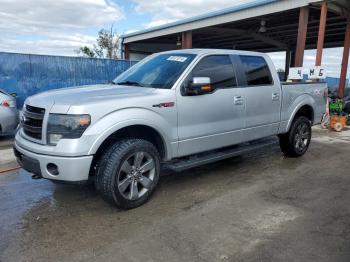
x=181, y=164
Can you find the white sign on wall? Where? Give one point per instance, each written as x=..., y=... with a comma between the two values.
x=315, y=72
x=296, y=73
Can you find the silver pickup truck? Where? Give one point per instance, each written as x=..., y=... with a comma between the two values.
x=173, y=110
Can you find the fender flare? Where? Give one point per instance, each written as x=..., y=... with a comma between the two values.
x=303, y=100
x=104, y=129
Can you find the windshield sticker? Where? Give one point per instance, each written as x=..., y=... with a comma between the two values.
x=177, y=58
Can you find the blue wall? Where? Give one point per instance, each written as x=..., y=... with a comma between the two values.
x=27, y=75
x=333, y=82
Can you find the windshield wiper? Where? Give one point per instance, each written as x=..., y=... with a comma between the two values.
x=130, y=83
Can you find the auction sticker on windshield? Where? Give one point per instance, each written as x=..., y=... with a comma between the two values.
x=177, y=58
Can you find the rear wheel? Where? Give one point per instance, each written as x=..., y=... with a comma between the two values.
x=296, y=142
x=128, y=173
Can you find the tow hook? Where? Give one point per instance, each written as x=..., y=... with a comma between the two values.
x=36, y=177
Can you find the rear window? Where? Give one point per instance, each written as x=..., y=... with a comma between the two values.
x=256, y=70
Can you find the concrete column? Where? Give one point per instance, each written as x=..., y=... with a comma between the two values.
x=345, y=61
x=301, y=41
x=186, y=40
x=321, y=33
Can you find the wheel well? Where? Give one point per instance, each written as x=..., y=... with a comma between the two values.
x=306, y=111
x=135, y=131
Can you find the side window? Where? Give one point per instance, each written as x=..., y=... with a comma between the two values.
x=219, y=68
x=257, y=71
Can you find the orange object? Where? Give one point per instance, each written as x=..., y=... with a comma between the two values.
x=337, y=122
x=84, y=121
x=206, y=88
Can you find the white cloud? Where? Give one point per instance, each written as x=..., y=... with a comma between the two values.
x=165, y=11
x=41, y=16
x=158, y=22
x=130, y=31
x=53, y=45
x=53, y=27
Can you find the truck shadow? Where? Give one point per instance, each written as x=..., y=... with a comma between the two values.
x=233, y=172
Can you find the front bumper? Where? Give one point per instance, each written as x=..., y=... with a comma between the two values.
x=70, y=169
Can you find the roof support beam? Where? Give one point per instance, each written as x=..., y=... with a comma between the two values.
x=341, y=9
x=231, y=41
x=126, y=51
x=301, y=40
x=312, y=24
x=237, y=13
x=246, y=33
x=287, y=65
x=186, y=40
x=345, y=61
x=321, y=33
x=267, y=40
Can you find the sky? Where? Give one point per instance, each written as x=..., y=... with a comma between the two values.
x=59, y=27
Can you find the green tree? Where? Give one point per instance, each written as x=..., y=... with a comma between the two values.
x=86, y=51
x=107, y=45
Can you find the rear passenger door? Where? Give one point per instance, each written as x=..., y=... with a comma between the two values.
x=263, y=96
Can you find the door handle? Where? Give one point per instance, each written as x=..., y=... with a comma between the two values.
x=238, y=100
x=275, y=96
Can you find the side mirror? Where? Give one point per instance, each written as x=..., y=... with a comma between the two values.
x=198, y=86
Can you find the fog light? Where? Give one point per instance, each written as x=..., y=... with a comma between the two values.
x=54, y=138
x=52, y=169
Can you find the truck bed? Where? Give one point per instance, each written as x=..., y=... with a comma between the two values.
x=294, y=95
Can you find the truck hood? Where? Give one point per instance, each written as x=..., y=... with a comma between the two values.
x=60, y=100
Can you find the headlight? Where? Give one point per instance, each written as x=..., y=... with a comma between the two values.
x=66, y=126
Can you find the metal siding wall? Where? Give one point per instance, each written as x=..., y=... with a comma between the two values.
x=27, y=75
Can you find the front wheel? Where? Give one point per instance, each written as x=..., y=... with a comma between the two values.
x=128, y=173
x=296, y=142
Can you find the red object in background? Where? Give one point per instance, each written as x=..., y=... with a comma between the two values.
x=5, y=104
x=8, y=104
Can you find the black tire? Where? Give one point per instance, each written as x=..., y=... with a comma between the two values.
x=110, y=173
x=296, y=142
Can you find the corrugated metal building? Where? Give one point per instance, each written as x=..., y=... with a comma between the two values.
x=265, y=25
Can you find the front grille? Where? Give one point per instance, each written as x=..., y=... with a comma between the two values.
x=32, y=121
x=33, y=109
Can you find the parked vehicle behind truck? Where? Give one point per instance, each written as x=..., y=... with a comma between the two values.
x=8, y=114
x=175, y=110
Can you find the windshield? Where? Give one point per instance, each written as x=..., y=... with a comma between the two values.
x=160, y=71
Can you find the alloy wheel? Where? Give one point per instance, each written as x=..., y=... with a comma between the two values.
x=136, y=175
x=302, y=137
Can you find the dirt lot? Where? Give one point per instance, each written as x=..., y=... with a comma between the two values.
x=258, y=207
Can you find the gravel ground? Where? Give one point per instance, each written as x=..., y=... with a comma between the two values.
x=257, y=207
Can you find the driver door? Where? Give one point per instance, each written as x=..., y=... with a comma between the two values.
x=215, y=119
